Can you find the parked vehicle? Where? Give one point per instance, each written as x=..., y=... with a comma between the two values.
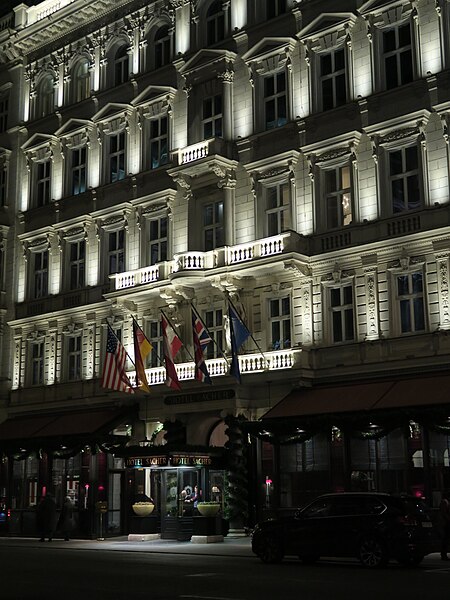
x=373, y=527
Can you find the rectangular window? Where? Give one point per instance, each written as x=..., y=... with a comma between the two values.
x=212, y=117
x=338, y=197
x=215, y=24
x=4, y=101
x=213, y=231
x=411, y=302
x=275, y=8
x=275, y=100
x=40, y=259
x=42, y=190
x=116, y=251
x=404, y=179
x=156, y=339
x=37, y=362
x=74, y=357
x=159, y=142
x=333, y=79
x=158, y=240
x=280, y=323
x=398, y=56
x=77, y=264
x=213, y=320
x=162, y=48
x=116, y=158
x=342, y=314
x=278, y=211
x=78, y=171
x=3, y=184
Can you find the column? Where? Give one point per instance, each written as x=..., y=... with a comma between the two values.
x=228, y=125
x=442, y=267
x=228, y=183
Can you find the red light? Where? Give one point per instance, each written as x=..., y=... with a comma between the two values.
x=101, y=488
x=268, y=482
x=86, y=485
x=9, y=512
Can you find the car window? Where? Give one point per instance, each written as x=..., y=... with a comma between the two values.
x=319, y=508
x=345, y=506
x=373, y=506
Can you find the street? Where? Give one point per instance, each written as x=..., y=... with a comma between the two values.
x=33, y=571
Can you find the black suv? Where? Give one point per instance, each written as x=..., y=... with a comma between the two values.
x=373, y=527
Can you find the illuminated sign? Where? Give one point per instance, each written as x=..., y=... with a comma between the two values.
x=140, y=462
x=211, y=396
x=189, y=460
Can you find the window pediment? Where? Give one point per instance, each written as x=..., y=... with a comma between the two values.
x=274, y=167
x=327, y=31
x=269, y=54
x=154, y=93
x=384, y=13
x=72, y=127
x=40, y=143
x=209, y=61
x=394, y=131
x=111, y=111
x=334, y=150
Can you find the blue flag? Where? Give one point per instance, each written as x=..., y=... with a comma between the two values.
x=238, y=334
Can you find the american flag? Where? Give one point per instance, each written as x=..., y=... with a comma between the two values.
x=114, y=376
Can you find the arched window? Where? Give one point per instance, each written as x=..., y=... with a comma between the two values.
x=162, y=47
x=45, y=99
x=121, y=65
x=81, y=80
x=215, y=23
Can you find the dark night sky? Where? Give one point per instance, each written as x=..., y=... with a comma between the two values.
x=7, y=5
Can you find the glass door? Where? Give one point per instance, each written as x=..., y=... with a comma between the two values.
x=114, y=516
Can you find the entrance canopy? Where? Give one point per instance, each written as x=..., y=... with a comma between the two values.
x=356, y=406
x=61, y=431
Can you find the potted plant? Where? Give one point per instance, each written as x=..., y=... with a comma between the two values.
x=143, y=509
x=208, y=509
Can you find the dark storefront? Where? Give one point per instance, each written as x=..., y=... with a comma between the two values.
x=389, y=436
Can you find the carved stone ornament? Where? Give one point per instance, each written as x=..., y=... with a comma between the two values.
x=399, y=134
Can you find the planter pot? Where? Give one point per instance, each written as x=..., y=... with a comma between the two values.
x=143, y=510
x=208, y=510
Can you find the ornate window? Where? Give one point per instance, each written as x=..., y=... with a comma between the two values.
x=77, y=264
x=121, y=65
x=155, y=335
x=116, y=157
x=42, y=187
x=212, y=117
x=333, y=79
x=278, y=208
x=341, y=310
x=404, y=178
x=40, y=273
x=81, y=80
x=213, y=225
x=338, y=196
x=280, y=323
x=159, y=141
x=275, y=100
x=215, y=23
x=398, y=63
x=213, y=320
x=45, y=99
x=157, y=239
x=410, y=301
x=116, y=251
x=78, y=170
x=161, y=47
x=37, y=355
x=73, y=353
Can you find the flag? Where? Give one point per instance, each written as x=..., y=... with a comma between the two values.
x=238, y=334
x=171, y=345
x=201, y=338
x=142, y=349
x=114, y=376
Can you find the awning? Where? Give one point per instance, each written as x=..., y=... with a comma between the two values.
x=69, y=428
x=364, y=397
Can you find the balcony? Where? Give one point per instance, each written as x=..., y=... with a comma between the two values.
x=191, y=262
x=196, y=159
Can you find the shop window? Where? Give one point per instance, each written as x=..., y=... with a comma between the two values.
x=212, y=117
x=410, y=299
x=77, y=264
x=398, y=56
x=333, y=84
x=116, y=251
x=213, y=320
x=338, y=196
x=278, y=208
x=78, y=171
x=215, y=23
x=24, y=484
x=404, y=179
x=275, y=100
x=213, y=225
x=280, y=323
x=342, y=313
x=159, y=142
x=157, y=240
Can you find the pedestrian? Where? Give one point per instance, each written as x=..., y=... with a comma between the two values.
x=46, y=517
x=65, y=523
x=443, y=525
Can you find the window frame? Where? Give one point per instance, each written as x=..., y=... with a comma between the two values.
x=338, y=193
x=45, y=99
x=42, y=185
x=215, y=120
x=121, y=64
x=409, y=271
x=216, y=329
x=110, y=156
x=82, y=85
x=214, y=226
x=39, y=342
x=39, y=278
x=267, y=187
x=341, y=309
x=396, y=53
x=332, y=76
x=280, y=7
x=81, y=168
x=114, y=231
x=217, y=20
x=77, y=262
x=281, y=318
x=76, y=353
x=266, y=98
x=157, y=140
x=404, y=176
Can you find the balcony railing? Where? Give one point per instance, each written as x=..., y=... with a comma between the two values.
x=202, y=261
x=193, y=152
x=248, y=363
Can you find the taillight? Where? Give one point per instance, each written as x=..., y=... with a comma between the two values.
x=9, y=512
x=408, y=520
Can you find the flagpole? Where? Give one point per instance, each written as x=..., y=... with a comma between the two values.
x=184, y=345
x=249, y=332
x=161, y=361
x=129, y=357
x=212, y=338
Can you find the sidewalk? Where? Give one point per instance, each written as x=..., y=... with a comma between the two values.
x=236, y=547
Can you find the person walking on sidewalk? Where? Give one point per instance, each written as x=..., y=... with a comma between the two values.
x=443, y=525
x=65, y=524
x=46, y=517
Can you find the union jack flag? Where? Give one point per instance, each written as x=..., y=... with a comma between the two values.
x=200, y=338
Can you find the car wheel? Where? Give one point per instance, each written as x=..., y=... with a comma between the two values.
x=309, y=559
x=372, y=553
x=411, y=561
x=271, y=551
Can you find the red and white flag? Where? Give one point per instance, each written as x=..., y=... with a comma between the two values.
x=114, y=376
x=171, y=345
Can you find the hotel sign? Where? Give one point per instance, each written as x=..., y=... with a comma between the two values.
x=190, y=460
x=174, y=460
x=211, y=396
x=141, y=462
